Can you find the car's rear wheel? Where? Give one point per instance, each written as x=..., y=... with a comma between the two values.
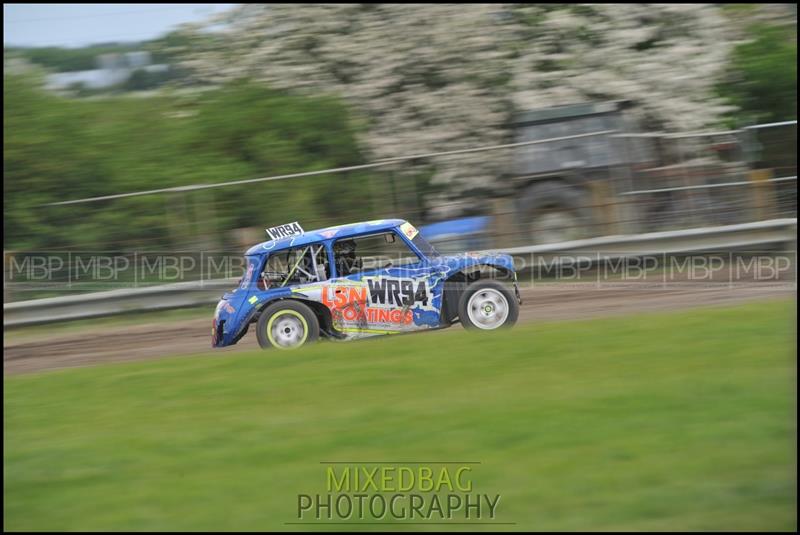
x=287, y=324
x=487, y=305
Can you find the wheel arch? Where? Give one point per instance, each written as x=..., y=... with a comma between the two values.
x=322, y=312
x=457, y=282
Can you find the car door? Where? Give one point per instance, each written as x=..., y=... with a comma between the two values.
x=383, y=286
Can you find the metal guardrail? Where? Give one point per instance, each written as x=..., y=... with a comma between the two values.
x=107, y=303
x=186, y=294
x=759, y=233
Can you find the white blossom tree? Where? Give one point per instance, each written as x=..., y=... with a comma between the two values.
x=438, y=77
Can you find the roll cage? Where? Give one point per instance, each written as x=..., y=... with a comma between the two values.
x=308, y=263
x=317, y=262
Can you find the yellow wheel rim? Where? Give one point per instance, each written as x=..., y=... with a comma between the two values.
x=287, y=329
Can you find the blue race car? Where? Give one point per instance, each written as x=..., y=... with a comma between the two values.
x=359, y=280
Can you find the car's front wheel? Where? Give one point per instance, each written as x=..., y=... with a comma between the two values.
x=287, y=324
x=487, y=305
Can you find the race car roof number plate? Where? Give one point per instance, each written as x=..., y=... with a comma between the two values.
x=285, y=231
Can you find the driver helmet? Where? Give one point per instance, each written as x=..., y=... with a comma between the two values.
x=345, y=251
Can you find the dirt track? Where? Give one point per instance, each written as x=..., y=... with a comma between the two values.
x=541, y=303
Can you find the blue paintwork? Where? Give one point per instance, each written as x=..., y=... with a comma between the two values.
x=455, y=227
x=238, y=308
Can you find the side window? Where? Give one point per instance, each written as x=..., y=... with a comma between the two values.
x=295, y=266
x=375, y=251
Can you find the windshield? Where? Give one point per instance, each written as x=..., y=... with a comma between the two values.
x=424, y=246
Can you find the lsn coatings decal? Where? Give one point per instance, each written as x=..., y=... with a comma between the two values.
x=378, y=302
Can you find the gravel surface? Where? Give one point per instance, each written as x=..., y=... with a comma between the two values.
x=544, y=302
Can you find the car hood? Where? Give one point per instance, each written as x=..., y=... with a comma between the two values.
x=471, y=258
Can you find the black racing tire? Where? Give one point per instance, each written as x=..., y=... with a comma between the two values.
x=478, y=306
x=551, y=202
x=300, y=325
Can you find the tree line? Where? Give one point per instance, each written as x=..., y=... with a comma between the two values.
x=57, y=148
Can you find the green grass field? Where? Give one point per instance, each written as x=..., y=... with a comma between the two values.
x=680, y=421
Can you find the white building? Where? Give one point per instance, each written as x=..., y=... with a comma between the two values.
x=113, y=69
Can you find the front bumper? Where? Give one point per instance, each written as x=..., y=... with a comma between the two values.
x=229, y=326
x=217, y=332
